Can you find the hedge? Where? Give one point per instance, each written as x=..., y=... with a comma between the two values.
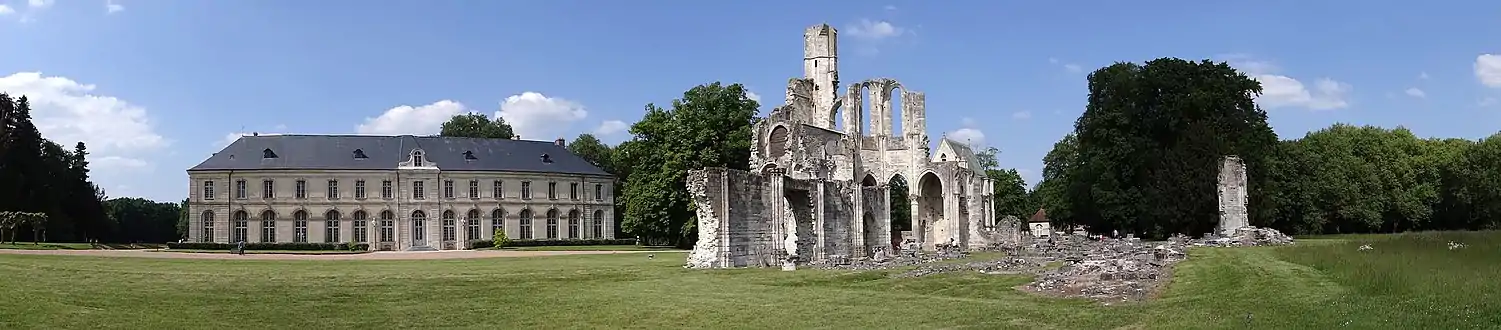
x=345, y=246
x=485, y=244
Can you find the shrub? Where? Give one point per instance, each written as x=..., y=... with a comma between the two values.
x=273, y=246
x=500, y=239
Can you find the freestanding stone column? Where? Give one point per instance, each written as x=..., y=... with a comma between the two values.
x=1232, y=196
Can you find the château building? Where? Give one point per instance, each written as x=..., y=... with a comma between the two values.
x=397, y=192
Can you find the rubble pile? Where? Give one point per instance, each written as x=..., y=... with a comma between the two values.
x=1251, y=236
x=882, y=260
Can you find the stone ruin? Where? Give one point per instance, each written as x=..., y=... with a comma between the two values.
x=1232, y=196
x=819, y=191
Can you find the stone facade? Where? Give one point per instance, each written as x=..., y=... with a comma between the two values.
x=819, y=189
x=414, y=205
x=1232, y=196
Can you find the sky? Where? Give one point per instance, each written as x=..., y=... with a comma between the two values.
x=155, y=86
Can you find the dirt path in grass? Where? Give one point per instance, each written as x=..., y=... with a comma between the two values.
x=465, y=254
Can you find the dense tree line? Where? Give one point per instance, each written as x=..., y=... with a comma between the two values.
x=1145, y=155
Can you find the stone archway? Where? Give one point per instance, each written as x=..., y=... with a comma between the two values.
x=930, y=217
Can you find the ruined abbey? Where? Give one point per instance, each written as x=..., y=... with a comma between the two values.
x=818, y=189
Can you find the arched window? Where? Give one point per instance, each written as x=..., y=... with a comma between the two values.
x=268, y=227
x=242, y=227
x=449, y=233
x=387, y=226
x=299, y=226
x=207, y=221
x=552, y=224
x=573, y=224
x=471, y=223
x=331, y=226
x=599, y=224
x=419, y=226
x=526, y=224
x=361, y=226
x=497, y=221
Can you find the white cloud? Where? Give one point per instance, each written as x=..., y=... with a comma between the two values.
x=890, y=7
x=67, y=112
x=753, y=96
x=6, y=10
x=1423, y=75
x=1021, y=115
x=422, y=120
x=537, y=117
x=118, y=163
x=875, y=30
x=610, y=127
x=1068, y=67
x=39, y=3
x=232, y=137
x=1415, y=92
x=111, y=7
x=968, y=134
x=1279, y=91
x=1488, y=70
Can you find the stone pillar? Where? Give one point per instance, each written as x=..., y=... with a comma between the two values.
x=462, y=235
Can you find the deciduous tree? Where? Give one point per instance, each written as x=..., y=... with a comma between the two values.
x=477, y=125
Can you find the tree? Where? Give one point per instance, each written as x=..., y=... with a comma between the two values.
x=477, y=125
x=710, y=126
x=1052, y=192
x=1010, y=190
x=597, y=153
x=901, y=204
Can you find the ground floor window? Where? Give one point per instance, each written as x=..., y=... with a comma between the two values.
x=448, y=230
x=599, y=224
x=526, y=225
x=268, y=231
x=208, y=226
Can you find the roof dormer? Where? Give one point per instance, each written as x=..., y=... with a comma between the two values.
x=360, y=154
x=469, y=156
x=547, y=159
x=268, y=154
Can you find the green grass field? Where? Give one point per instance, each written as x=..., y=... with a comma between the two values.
x=595, y=248
x=1408, y=282
x=268, y=251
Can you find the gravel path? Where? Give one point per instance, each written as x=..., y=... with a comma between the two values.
x=384, y=255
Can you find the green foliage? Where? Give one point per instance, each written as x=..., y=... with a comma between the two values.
x=710, y=126
x=143, y=220
x=597, y=153
x=1010, y=190
x=309, y=246
x=477, y=125
x=901, y=203
x=499, y=239
x=45, y=177
x=1052, y=192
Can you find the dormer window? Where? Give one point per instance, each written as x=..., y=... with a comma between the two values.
x=469, y=155
x=417, y=158
x=943, y=157
x=546, y=158
x=268, y=153
x=360, y=154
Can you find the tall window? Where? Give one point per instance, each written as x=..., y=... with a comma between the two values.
x=552, y=224
x=333, y=189
x=448, y=226
x=417, y=192
x=552, y=190
x=473, y=189
x=268, y=189
x=359, y=189
x=526, y=224
x=300, y=189
x=573, y=224
x=573, y=191
x=599, y=192
x=385, y=189
x=208, y=190
x=599, y=224
x=526, y=190
x=471, y=222
x=242, y=227
x=495, y=190
x=387, y=227
x=240, y=189
x=299, y=226
x=447, y=188
x=331, y=227
x=498, y=221
x=361, y=227
x=208, y=227
x=268, y=227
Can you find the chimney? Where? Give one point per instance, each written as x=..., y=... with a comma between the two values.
x=515, y=136
x=255, y=133
x=560, y=143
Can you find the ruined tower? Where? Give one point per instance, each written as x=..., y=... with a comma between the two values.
x=1232, y=196
x=821, y=63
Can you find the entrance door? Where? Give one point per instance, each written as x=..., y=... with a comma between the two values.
x=419, y=232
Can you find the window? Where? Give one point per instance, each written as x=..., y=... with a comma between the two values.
x=268, y=227
x=387, y=227
x=573, y=224
x=526, y=190
x=469, y=156
x=333, y=189
x=471, y=223
x=552, y=190
x=599, y=224
x=268, y=189
x=360, y=154
x=498, y=221
x=361, y=227
x=299, y=226
x=331, y=227
x=300, y=189
x=242, y=227
x=448, y=189
x=240, y=189
x=417, y=192
x=419, y=226
x=573, y=191
x=599, y=192
x=448, y=227
x=359, y=189
x=526, y=225
x=416, y=157
x=473, y=189
x=385, y=189
x=208, y=190
x=552, y=224
x=268, y=154
x=208, y=227
x=496, y=191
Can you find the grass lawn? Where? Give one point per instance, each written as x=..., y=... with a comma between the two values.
x=1407, y=282
x=595, y=248
x=267, y=251
x=44, y=246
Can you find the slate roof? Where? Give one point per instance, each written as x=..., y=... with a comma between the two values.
x=303, y=152
x=963, y=152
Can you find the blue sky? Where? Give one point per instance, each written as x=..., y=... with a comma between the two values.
x=156, y=86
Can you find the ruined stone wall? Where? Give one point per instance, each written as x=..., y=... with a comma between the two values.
x=839, y=221
x=734, y=227
x=1232, y=196
x=877, y=218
